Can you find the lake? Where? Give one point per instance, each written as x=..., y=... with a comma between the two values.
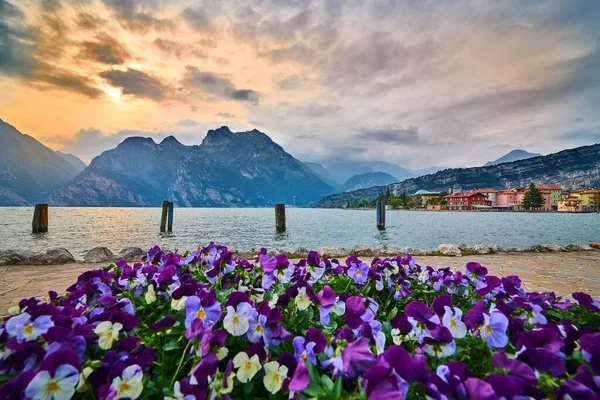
x=79, y=229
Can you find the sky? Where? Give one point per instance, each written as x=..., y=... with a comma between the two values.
x=419, y=83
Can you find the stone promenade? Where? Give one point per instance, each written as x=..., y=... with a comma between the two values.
x=563, y=273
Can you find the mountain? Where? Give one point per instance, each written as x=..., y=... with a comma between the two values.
x=29, y=171
x=341, y=172
x=322, y=173
x=73, y=160
x=228, y=169
x=426, y=171
x=514, y=155
x=367, y=180
x=568, y=169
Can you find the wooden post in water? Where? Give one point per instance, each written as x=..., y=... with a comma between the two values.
x=40, y=218
x=170, y=222
x=380, y=215
x=163, y=218
x=280, y=218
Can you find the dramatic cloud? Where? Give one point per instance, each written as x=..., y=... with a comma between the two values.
x=105, y=50
x=334, y=78
x=216, y=85
x=391, y=134
x=137, y=83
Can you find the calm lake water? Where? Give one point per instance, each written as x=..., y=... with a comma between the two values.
x=79, y=229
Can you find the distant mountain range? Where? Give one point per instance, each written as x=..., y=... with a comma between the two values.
x=29, y=171
x=367, y=180
x=514, y=155
x=341, y=172
x=568, y=169
x=73, y=160
x=229, y=169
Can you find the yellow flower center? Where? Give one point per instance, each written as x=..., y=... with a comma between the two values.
x=235, y=320
x=276, y=378
x=109, y=335
x=248, y=366
x=303, y=356
x=28, y=329
x=357, y=272
x=52, y=387
x=488, y=329
x=259, y=328
x=124, y=386
x=201, y=314
x=452, y=323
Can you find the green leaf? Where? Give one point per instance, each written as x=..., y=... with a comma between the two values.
x=313, y=390
x=172, y=344
x=337, y=389
x=248, y=387
x=327, y=382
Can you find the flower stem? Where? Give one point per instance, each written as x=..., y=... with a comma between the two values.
x=180, y=362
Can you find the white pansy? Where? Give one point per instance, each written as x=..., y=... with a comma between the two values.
x=129, y=385
x=236, y=320
x=178, y=305
x=275, y=374
x=150, y=295
x=302, y=301
x=83, y=385
x=246, y=366
x=107, y=332
x=453, y=321
x=61, y=386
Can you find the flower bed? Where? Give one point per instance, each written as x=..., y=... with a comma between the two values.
x=204, y=325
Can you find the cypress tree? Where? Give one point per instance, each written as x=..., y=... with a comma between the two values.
x=533, y=198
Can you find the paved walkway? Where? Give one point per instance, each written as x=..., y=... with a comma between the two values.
x=563, y=273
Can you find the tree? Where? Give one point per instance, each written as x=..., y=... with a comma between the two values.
x=533, y=198
x=365, y=203
x=396, y=202
x=354, y=204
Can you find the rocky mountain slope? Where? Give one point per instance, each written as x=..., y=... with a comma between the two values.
x=568, y=169
x=29, y=171
x=73, y=160
x=368, y=180
x=343, y=171
x=514, y=155
x=228, y=169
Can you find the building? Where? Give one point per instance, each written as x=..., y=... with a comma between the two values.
x=555, y=195
x=426, y=195
x=570, y=204
x=507, y=199
x=590, y=199
x=492, y=195
x=467, y=201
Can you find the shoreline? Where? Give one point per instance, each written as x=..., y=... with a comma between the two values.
x=560, y=272
x=61, y=255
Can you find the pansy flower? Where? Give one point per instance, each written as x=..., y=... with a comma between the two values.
x=129, y=384
x=275, y=374
x=237, y=320
x=25, y=329
x=246, y=366
x=207, y=309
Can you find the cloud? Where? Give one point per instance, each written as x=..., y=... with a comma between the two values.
x=225, y=115
x=216, y=85
x=137, y=16
x=197, y=19
x=193, y=109
x=177, y=49
x=391, y=134
x=188, y=123
x=105, y=50
x=137, y=83
x=89, y=21
x=244, y=95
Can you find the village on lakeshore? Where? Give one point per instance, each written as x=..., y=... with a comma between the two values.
x=532, y=198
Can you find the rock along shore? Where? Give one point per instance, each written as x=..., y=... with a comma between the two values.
x=104, y=255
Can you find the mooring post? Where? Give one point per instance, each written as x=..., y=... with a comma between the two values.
x=380, y=215
x=170, y=223
x=280, y=218
x=39, y=224
x=163, y=218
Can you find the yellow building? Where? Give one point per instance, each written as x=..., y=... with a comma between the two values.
x=590, y=199
x=570, y=204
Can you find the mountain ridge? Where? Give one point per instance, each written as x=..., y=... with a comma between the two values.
x=228, y=169
x=568, y=169
x=513, y=155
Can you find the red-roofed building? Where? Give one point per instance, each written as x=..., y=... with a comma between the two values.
x=468, y=201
